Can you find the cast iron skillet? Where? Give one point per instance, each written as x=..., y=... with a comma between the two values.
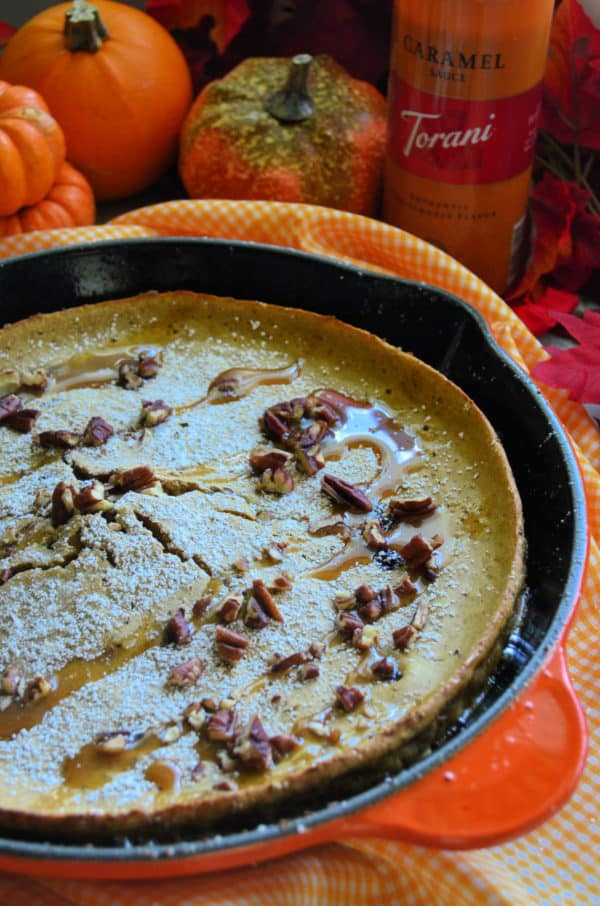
x=438, y=328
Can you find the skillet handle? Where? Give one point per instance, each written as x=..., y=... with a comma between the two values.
x=507, y=781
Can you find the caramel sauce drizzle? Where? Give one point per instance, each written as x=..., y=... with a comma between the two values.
x=236, y=383
x=92, y=768
x=92, y=369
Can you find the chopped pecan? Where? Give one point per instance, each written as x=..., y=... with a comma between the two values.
x=209, y=704
x=344, y=601
x=274, y=425
x=148, y=365
x=23, y=420
x=63, y=505
x=140, y=478
x=283, y=664
x=310, y=461
x=198, y=770
x=344, y=493
x=261, y=593
x=349, y=697
x=201, y=606
x=195, y=715
x=129, y=376
x=230, y=608
x=386, y=669
x=253, y=747
x=364, y=594
x=34, y=379
x=178, y=630
x=263, y=458
x=11, y=681
x=416, y=552
x=282, y=583
x=308, y=671
x=371, y=610
x=114, y=742
x=411, y=509
x=276, y=481
x=241, y=565
x=373, y=535
x=6, y=574
x=10, y=405
x=90, y=499
x=273, y=552
x=64, y=440
x=255, y=617
x=169, y=734
x=40, y=687
x=388, y=599
x=154, y=412
x=97, y=431
x=222, y=726
x=365, y=638
x=404, y=637
x=226, y=786
x=406, y=587
x=282, y=744
x=320, y=729
x=316, y=649
x=231, y=646
x=349, y=623
x=421, y=615
x=186, y=674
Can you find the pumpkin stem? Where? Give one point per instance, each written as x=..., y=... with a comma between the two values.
x=84, y=29
x=293, y=103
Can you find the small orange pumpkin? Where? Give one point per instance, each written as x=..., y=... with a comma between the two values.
x=318, y=137
x=117, y=83
x=32, y=148
x=69, y=203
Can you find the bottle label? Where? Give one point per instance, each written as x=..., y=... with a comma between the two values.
x=462, y=141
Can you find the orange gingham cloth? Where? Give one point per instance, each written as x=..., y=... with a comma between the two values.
x=555, y=864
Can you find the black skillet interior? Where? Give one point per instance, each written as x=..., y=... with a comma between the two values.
x=433, y=325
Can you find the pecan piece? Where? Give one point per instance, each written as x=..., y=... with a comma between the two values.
x=404, y=637
x=411, y=509
x=386, y=669
x=316, y=649
x=11, y=682
x=63, y=505
x=155, y=412
x=282, y=583
x=201, y=606
x=406, y=587
x=333, y=526
x=230, y=608
x=97, y=431
x=35, y=379
x=186, y=674
x=140, y=478
x=129, y=376
x=349, y=623
x=388, y=599
x=178, y=630
x=373, y=535
x=364, y=594
x=365, y=638
x=64, y=440
x=276, y=481
x=421, y=615
x=195, y=716
x=371, y=610
x=261, y=593
x=231, y=646
x=282, y=744
x=416, y=552
x=310, y=461
x=349, y=697
x=308, y=672
x=9, y=405
x=90, y=499
x=40, y=687
x=23, y=420
x=253, y=747
x=113, y=743
x=255, y=617
x=283, y=664
x=222, y=726
x=263, y=458
x=344, y=493
x=148, y=365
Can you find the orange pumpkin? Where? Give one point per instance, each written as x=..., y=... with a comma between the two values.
x=116, y=82
x=32, y=148
x=70, y=202
x=318, y=137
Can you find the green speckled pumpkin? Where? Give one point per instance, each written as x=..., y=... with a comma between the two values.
x=301, y=130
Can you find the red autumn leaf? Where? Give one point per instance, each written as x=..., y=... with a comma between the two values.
x=572, y=81
x=541, y=315
x=227, y=16
x=576, y=369
x=6, y=32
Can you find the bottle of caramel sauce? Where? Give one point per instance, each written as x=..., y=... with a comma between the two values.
x=465, y=94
